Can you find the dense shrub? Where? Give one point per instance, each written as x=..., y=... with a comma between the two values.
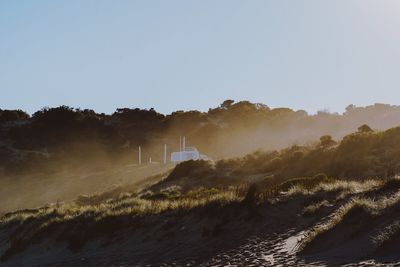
x=191, y=168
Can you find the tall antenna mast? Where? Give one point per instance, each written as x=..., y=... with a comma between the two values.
x=140, y=155
x=180, y=148
x=165, y=153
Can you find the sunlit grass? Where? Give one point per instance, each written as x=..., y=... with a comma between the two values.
x=85, y=222
x=119, y=207
x=111, y=214
x=344, y=186
x=369, y=206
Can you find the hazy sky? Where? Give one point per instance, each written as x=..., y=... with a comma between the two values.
x=172, y=55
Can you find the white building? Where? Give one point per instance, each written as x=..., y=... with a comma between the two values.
x=187, y=153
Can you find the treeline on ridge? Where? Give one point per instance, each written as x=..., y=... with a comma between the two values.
x=53, y=138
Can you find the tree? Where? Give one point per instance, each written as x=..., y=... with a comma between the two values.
x=364, y=129
x=227, y=103
x=12, y=115
x=327, y=141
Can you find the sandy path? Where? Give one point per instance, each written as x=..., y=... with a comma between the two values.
x=272, y=250
x=267, y=240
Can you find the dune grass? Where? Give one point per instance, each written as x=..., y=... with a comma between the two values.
x=76, y=223
x=345, y=187
x=122, y=205
x=312, y=209
x=387, y=234
x=357, y=208
x=90, y=217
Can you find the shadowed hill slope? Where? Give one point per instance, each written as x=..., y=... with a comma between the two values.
x=73, y=137
x=297, y=206
x=362, y=155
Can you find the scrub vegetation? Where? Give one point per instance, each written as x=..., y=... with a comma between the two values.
x=59, y=153
x=74, y=137
x=348, y=187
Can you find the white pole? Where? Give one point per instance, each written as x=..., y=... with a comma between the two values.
x=140, y=155
x=184, y=143
x=165, y=153
x=180, y=148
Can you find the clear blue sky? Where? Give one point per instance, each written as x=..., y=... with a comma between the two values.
x=172, y=55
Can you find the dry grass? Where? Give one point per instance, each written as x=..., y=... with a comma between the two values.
x=120, y=206
x=87, y=219
x=86, y=222
x=336, y=219
x=387, y=234
x=343, y=186
x=367, y=206
x=315, y=207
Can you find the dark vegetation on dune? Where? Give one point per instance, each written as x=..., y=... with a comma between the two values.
x=362, y=155
x=66, y=138
x=350, y=183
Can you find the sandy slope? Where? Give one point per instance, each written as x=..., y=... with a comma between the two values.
x=37, y=190
x=267, y=236
x=239, y=233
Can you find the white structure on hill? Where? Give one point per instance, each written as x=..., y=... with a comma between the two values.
x=186, y=153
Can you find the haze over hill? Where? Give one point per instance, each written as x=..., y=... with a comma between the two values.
x=324, y=204
x=199, y=133
x=55, y=137
x=60, y=153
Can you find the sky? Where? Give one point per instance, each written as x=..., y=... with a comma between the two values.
x=185, y=55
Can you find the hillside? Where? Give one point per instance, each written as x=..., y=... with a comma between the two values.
x=57, y=154
x=321, y=204
x=65, y=137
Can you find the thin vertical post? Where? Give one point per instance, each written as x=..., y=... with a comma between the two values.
x=180, y=148
x=140, y=155
x=165, y=153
